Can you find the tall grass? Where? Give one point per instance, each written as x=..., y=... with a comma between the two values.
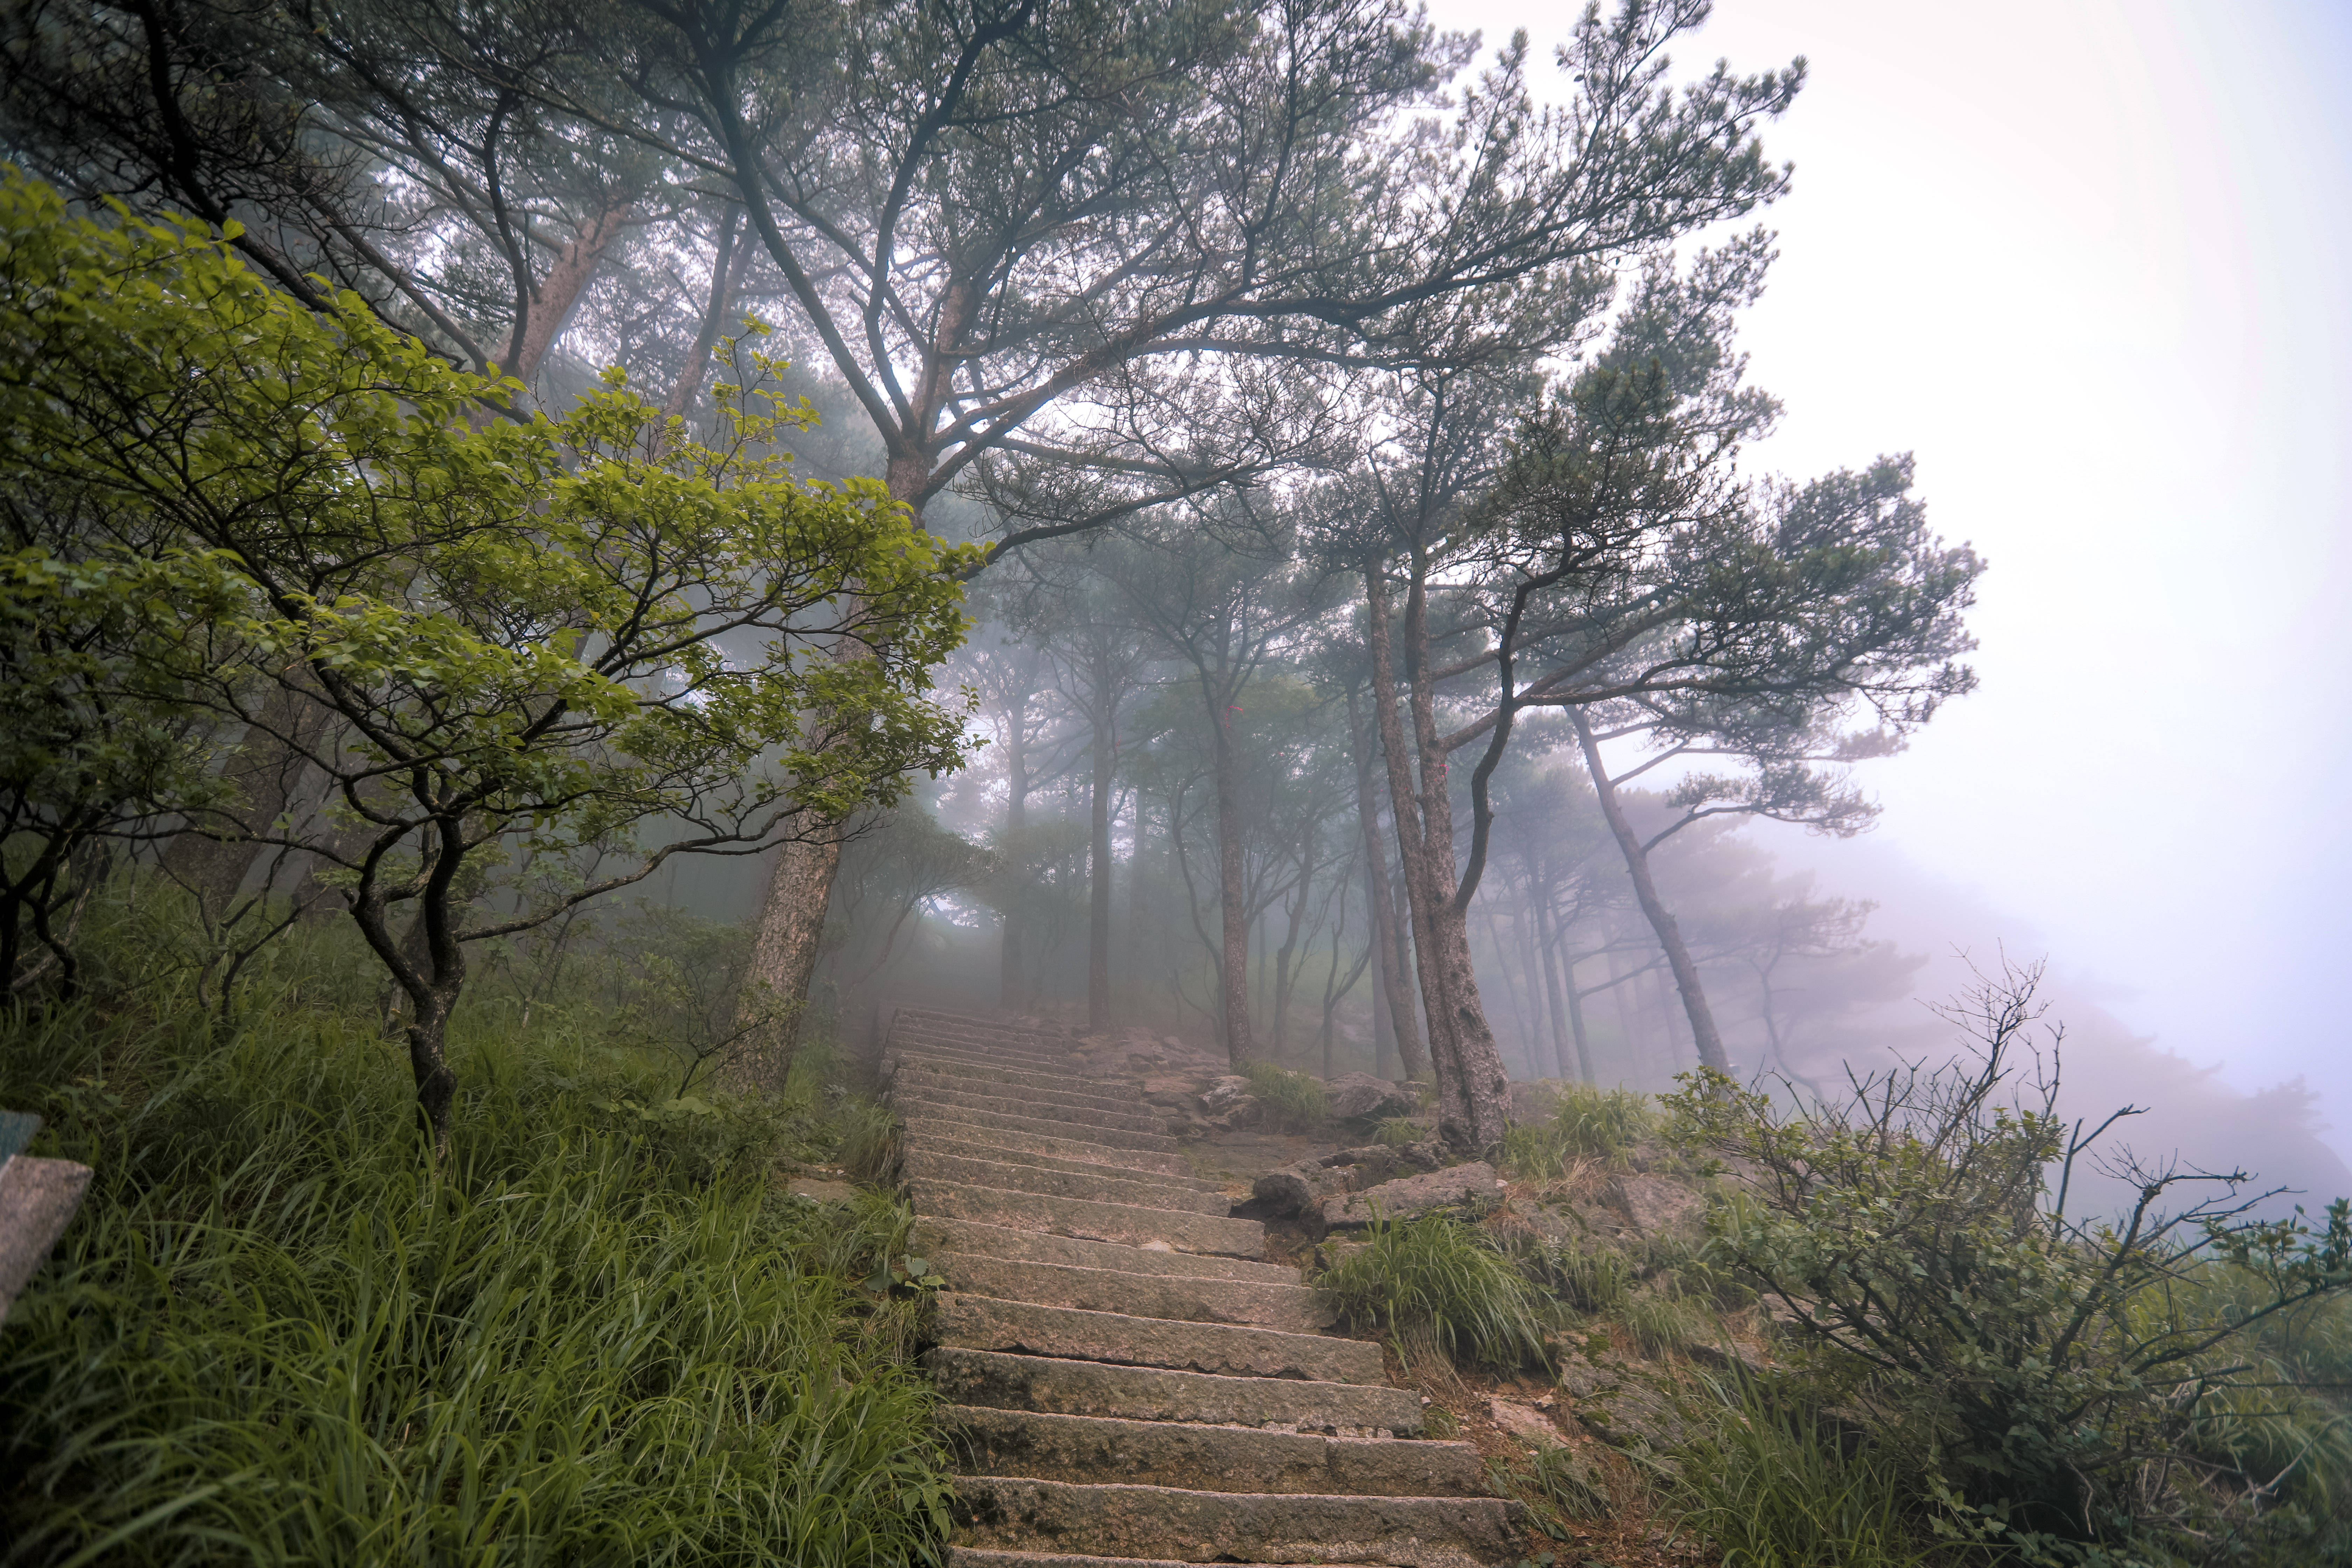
x=277, y=1334
x=1589, y=1123
x=1771, y=1493
x=1437, y=1278
x=1290, y=1102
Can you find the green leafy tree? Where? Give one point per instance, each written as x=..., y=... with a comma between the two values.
x=535, y=636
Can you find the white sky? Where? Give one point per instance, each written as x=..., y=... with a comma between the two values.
x=2092, y=262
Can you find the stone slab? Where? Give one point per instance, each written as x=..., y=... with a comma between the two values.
x=1186, y=1526
x=923, y=1070
x=923, y=1163
x=1157, y=1394
x=932, y=1093
x=937, y=1235
x=1173, y=1298
x=1105, y=1164
x=1087, y=1220
x=1099, y=1450
x=1099, y=1137
x=991, y=1323
x=1471, y=1186
x=38, y=1200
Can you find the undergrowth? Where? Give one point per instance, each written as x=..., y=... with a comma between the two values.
x=1438, y=1280
x=1290, y=1102
x=1588, y=1123
x=277, y=1334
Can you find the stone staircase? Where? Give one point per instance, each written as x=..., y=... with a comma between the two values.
x=1128, y=1382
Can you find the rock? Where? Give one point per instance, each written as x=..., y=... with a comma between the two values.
x=1658, y=1205
x=1728, y=1356
x=1223, y=1091
x=1294, y=1189
x=1473, y=1186
x=1361, y=1097
x=1524, y=1421
x=817, y=1190
x=1170, y=1093
x=1621, y=1404
x=1242, y=1113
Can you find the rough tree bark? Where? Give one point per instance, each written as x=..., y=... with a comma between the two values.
x=1393, y=1003
x=1645, y=892
x=1233, y=889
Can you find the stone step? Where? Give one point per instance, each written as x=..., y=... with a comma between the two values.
x=1011, y=1043
x=1088, y=1219
x=931, y=1017
x=1109, y=1161
x=922, y=1093
x=1100, y=1449
x=973, y=1557
x=1029, y=1327
x=1183, y=1526
x=1099, y=1137
x=961, y=1059
x=975, y=1055
x=1000, y=1081
x=1156, y=1393
x=1173, y=1298
x=941, y=1235
x=930, y=1075
x=921, y=1162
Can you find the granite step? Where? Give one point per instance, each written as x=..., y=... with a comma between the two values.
x=967, y=1321
x=1102, y=1449
x=977, y=1557
x=1028, y=1045
x=955, y=1078
x=922, y=1162
x=1157, y=1394
x=1185, y=1526
x=1058, y=1075
x=1100, y=1137
x=1103, y=1166
x=938, y=1235
x=1087, y=1218
x=1080, y=1150
x=1068, y=1115
x=1173, y=1297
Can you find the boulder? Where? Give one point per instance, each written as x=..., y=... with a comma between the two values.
x=1473, y=1186
x=1295, y=1189
x=1622, y=1405
x=1361, y=1097
x=1223, y=1091
x=1536, y=1101
x=1525, y=1423
x=1657, y=1205
x=1241, y=1111
x=1170, y=1093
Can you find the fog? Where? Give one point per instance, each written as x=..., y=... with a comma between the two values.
x=2085, y=260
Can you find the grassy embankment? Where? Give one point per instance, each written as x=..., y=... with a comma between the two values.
x=601, y=1333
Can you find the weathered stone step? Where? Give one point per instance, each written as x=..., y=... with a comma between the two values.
x=957, y=1077
x=968, y=1055
x=1175, y=1298
x=1088, y=1219
x=1157, y=1394
x=972, y=1557
x=1010, y=1041
x=1101, y=1450
x=921, y=1162
x=958, y=1058
x=1100, y=1137
x=1029, y=1327
x=1078, y=1151
x=932, y=1093
x=935, y=1235
x=977, y=1070
x=1108, y=1162
x=1185, y=1526
x=931, y=1017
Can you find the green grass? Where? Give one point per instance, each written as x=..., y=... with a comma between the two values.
x=1772, y=1493
x=1438, y=1279
x=1290, y=1102
x=276, y=1334
x=1590, y=1123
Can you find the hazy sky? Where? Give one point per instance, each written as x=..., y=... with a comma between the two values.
x=2093, y=263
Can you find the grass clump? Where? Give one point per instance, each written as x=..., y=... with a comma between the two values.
x=279, y=1333
x=1437, y=1279
x=1772, y=1492
x=1589, y=1123
x=1290, y=1102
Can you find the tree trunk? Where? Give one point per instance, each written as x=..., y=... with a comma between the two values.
x=1012, y=983
x=1393, y=1004
x=1565, y=1009
x=1233, y=893
x=1098, y=888
x=558, y=293
x=266, y=771
x=784, y=954
x=1645, y=892
x=726, y=278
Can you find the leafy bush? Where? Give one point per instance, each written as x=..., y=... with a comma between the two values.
x=278, y=1334
x=1768, y=1489
x=2050, y=1378
x=1439, y=1277
x=1291, y=1101
x=1589, y=1123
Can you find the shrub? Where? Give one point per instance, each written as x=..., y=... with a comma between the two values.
x=2050, y=1377
x=1290, y=1102
x=1588, y=1123
x=1439, y=1277
x=1590, y=1278
x=277, y=1334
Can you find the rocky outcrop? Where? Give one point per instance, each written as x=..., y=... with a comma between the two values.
x=1472, y=1188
